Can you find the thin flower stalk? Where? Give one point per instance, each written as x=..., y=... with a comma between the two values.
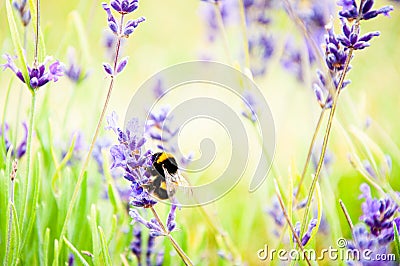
x=325, y=142
x=122, y=32
x=351, y=40
x=295, y=235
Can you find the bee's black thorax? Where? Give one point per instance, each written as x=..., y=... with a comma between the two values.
x=162, y=159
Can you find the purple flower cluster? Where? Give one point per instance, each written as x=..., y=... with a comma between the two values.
x=100, y=145
x=379, y=215
x=251, y=105
x=383, y=170
x=351, y=11
x=362, y=241
x=337, y=47
x=136, y=248
x=261, y=44
x=307, y=235
x=38, y=75
x=21, y=149
x=128, y=156
x=119, y=29
x=156, y=229
x=298, y=54
x=158, y=129
x=23, y=11
x=210, y=16
x=74, y=72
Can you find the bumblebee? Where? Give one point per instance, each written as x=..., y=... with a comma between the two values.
x=165, y=176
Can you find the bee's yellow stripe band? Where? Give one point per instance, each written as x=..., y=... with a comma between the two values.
x=164, y=156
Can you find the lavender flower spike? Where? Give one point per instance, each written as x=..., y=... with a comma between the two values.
x=137, y=243
x=23, y=10
x=306, y=237
x=171, y=219
x=38, y=76
x=378, y=215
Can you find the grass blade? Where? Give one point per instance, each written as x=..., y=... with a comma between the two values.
x=104, y=247
x=396, y=242
x=14, y=238
x=76, y=252
x=46, y=247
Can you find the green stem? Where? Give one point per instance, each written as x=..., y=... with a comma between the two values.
x=310, y=150
x=29, y=157
x=325, y=142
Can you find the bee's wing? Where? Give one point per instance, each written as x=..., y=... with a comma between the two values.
x=173, y=182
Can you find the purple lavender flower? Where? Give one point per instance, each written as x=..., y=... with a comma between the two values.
x=158, y=89
x=160, y=258
x=120, y=30
x=159, y=130
x=71, y=259
x=307, y=235
x=123, y=7
x=21, y=149
x=74, y=71
x=378, y=215
x=276, y=213
x=251, y=105
x=136, y=244
x=351, y=38
x=5, y=136
x=101, y=144
x=171, y=224
x=335, y=59
x=328, y=159
x=210, y=17
x=23, y=11
x=154, y=227
x=261, y=48
x=38, y=76
x=362, y=241
x=150, y=250
x=368, y=167
x=128, y=156
x=350, y=10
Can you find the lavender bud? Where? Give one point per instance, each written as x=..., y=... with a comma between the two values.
x=108, y=69
x=122, y=64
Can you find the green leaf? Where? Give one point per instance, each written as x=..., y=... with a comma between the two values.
x=17, y=43
x=396, y=242
x=95, y=237
x=76, y=252
x=14, y=236
x=3, y=125
x=113, y=229
x=34, y=202
x=56, y=253
x=104, y=248
x=46, y=247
